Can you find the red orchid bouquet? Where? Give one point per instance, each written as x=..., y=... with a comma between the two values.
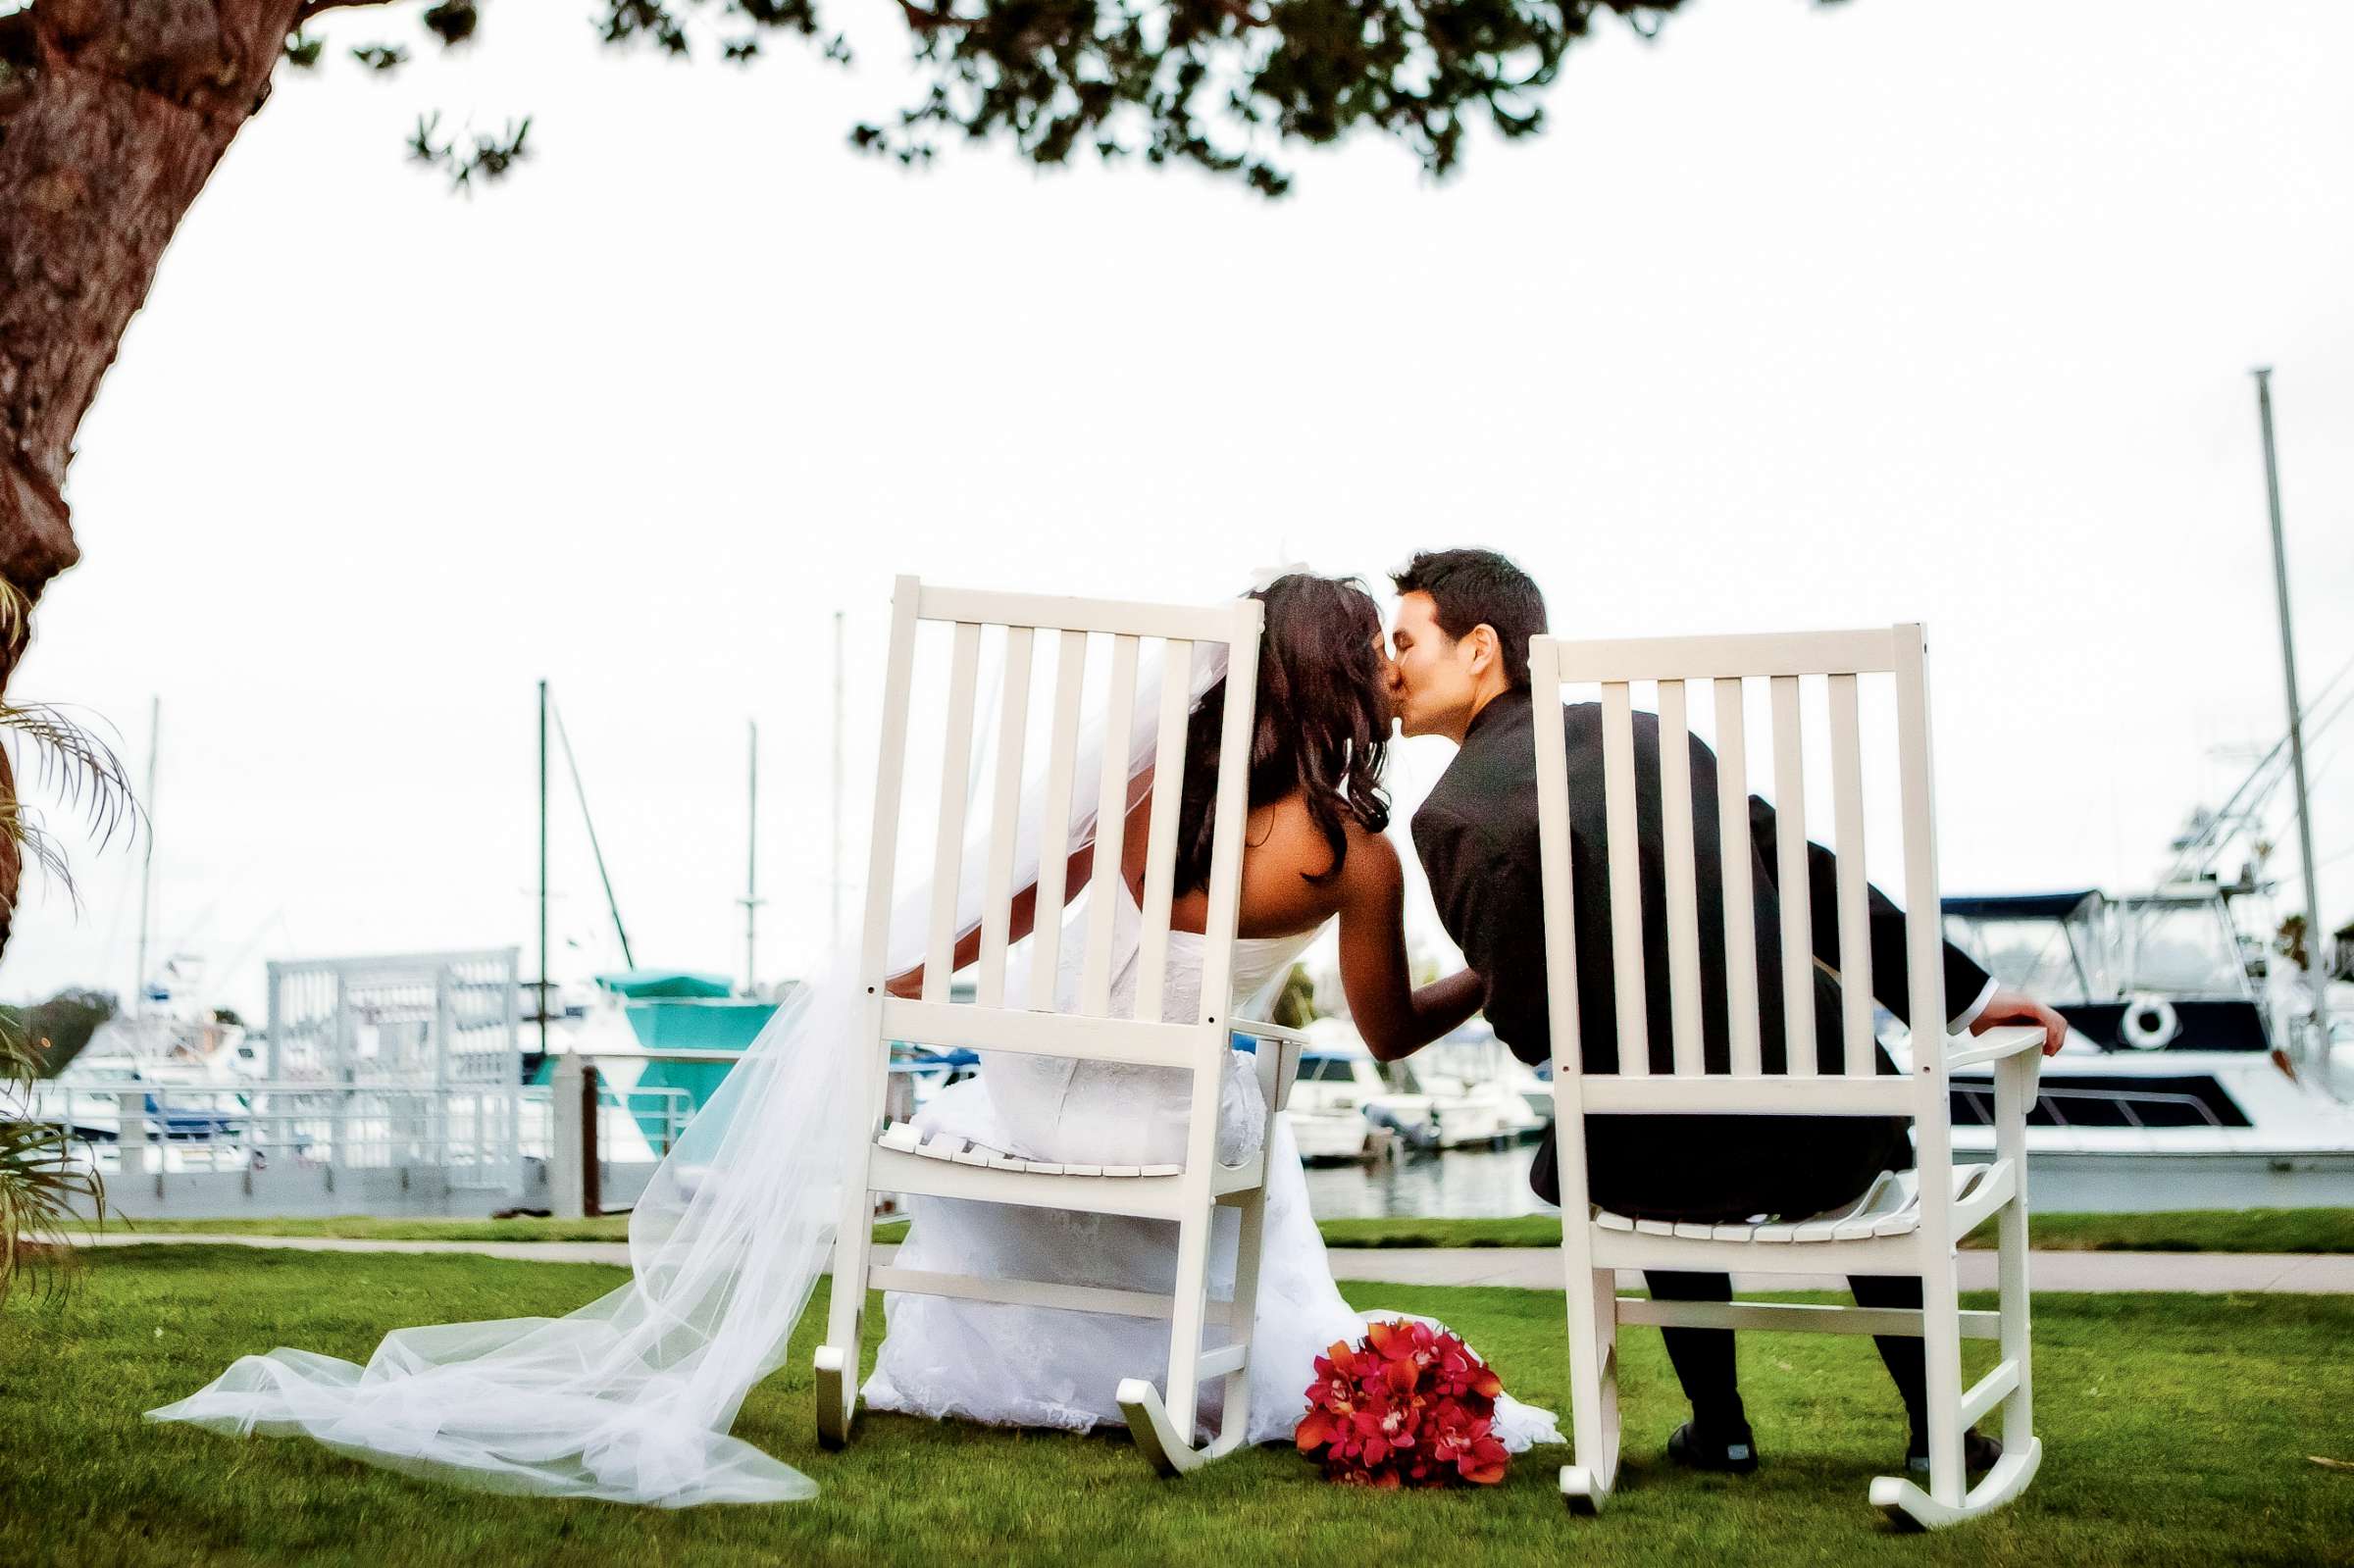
x=1409, y=1406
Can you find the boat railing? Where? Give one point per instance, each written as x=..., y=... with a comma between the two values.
x=660, y=1114
x=475, y=1133
x=469, y=1130
x=2054, y=1103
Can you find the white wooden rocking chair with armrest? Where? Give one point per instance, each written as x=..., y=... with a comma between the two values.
x=891, y=1159
x=1892, y=1231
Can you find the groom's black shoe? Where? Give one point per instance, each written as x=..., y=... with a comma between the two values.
x=1730, y=1449
x=1978, y=1452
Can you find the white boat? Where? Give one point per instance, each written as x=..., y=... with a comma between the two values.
x=2190, y=1130
x=1465, y=1090
x=1337, y=1137
x=1342, y=1108
x=2338, y=1070
x=2170, y=1093
x=165, y=1048
x=184, y=1053
x=1473, y=1077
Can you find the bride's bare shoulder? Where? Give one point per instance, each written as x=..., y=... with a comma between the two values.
x=1287, y=842
x=1373, y=857
x=1288, y=881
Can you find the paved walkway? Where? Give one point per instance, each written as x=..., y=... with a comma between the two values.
x=1537, y=1268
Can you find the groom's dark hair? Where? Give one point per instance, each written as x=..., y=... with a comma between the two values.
x=1479, y=588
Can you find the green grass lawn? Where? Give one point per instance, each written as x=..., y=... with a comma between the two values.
x=2176, y=1429
x=2192, y=1231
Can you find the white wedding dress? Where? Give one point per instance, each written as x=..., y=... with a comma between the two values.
x=1045, y=1367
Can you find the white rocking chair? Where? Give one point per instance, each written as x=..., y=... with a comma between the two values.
x=892, y=1159
x=1894, y=1230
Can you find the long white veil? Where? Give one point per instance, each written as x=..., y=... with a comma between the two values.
x=631, y=1397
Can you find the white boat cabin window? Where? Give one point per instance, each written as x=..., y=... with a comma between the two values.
x=2185, y=947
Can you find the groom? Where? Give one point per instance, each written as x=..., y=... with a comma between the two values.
x=1461, y=670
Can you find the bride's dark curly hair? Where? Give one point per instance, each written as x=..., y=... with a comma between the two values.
x=1323, y=720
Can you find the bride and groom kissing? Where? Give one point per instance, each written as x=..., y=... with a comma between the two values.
x=631, y=1398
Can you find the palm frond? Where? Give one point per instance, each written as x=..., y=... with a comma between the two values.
x=68, y=757
x=16, y=613
x=42, y=1185
x=42, y=1182
x=18, y=1066
x=36, y=843
x=76, y=763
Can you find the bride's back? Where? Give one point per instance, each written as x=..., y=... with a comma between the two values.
x=1322, y=723
x=1290, y=880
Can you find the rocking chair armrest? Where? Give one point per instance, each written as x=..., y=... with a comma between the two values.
x=1276, y=1072
x=1995, y=1046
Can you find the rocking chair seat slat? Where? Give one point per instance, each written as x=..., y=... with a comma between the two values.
x=903, y=1137
x=1890, y=1207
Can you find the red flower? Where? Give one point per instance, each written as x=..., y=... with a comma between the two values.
x=1410, y=1405
x=1468, y=1443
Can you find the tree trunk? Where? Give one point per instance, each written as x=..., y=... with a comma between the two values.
x=111, y=115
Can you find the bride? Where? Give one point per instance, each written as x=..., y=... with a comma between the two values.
x=1314, y=854
x=631, y=1398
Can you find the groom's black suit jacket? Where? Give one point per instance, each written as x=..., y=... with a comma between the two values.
x=1477, y=838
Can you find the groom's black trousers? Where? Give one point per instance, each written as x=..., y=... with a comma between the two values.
x=1704, y=1357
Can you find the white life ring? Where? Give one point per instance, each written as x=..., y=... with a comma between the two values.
x=2150, y=1024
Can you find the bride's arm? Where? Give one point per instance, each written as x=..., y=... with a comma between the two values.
x=1023, y=917
x=1396, y=1017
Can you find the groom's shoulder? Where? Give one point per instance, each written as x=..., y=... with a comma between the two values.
x=1444, y=811
x=1475, y=802
x=1585, y=717
x=1581, y=723
x=1438, y=808
x=1581, y=728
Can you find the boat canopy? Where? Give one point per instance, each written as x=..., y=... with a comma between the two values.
x=2055, y=947
x=699, y=1024
x=642, y=984
x=2071, y=948
x=2019, y=906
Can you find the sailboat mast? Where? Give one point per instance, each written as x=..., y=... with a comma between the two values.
x=751, y=864
x=138, y=980
x=2315, y=934
x=596, y=851
x=543, y=1013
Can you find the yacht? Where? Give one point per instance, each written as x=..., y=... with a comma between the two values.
x=173, y=1042
x=1462, y=1091
x=1480, y=1093
x=2171, y=1091
x=1343, y=1109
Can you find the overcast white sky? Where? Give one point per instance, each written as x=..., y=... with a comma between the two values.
x=1796, y=317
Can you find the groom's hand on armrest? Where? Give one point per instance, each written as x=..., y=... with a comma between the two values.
x=2017, y=1007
